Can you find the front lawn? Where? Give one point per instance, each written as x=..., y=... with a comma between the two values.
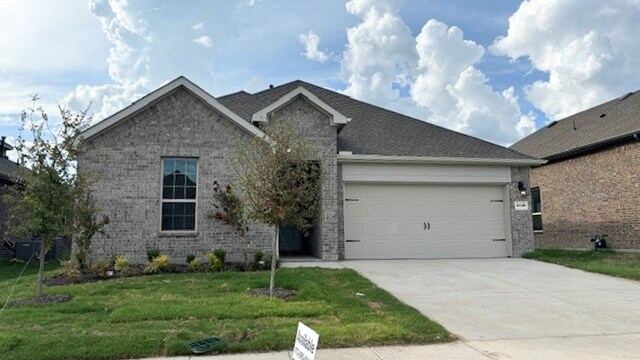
x=621, y=264
x=157, y=315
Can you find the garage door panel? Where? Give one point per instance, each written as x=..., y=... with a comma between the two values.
x=388, y=221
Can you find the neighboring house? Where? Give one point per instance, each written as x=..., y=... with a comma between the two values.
x=8, y=170
x=393, y=186
x=591, y=182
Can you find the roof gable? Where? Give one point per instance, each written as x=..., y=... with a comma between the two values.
x=159, y=93
x=262, y=114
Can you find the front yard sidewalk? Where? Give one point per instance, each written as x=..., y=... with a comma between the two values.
x=450, y=351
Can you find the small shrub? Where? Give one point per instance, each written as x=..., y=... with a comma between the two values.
x=190, y=258
x=70, y=269
x=121, y=263
x=194, y=265
x=99, y=269
x=152, y=254
x=159, y=263
x=214, y=262
x=258, y=263
x=221, y=255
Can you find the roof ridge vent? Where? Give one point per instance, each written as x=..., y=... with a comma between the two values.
x=625, y=96
x=552, y=123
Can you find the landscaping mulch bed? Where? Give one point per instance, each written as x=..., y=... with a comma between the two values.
x=277, y=292
x=48, y=299
x=135, y=270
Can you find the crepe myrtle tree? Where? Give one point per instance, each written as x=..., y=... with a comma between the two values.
x=49, y=188
x=280, y=186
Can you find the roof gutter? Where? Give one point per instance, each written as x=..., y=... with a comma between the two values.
x=356, y=158
x=591, y=147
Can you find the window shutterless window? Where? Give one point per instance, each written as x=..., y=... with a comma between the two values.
x=536, y=209
x=179, y=189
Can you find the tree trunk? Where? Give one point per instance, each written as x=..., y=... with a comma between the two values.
x=43, y=254
x=274, y=258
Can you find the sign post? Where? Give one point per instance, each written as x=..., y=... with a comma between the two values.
x=306, y=343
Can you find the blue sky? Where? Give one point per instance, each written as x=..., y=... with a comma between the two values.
x=493, y=69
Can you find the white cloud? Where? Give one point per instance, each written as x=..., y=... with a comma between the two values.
x=589, y=49
x=128, y=61
x=204, y=41
x=311, y=41
x=455, y=94
x=380, y=52
x=198, y=27
x=431, y=76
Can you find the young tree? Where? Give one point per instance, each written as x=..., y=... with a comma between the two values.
x=43, y=203
x=280, y=185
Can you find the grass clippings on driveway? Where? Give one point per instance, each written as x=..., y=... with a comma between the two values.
x=620, y=264
x=157, y=315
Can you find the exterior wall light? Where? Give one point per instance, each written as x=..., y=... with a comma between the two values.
x=522, y=189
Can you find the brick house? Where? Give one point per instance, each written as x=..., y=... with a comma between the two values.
x=393, y=186
x=591, y=182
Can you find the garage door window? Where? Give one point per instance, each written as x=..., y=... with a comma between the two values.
x=536, y=209
x=179, y=188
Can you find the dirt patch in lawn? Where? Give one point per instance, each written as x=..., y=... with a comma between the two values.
x=49, y=299
x=277, y=292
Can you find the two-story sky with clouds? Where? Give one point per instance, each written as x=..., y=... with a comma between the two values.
x=494, y=69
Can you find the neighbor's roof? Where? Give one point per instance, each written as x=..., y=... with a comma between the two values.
x=8, y=169
x=373, y=130
x=606, y=124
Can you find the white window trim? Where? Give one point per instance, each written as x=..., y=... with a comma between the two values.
x=187, y=201
x=538, y=213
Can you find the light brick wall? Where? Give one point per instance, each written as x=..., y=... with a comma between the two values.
x=127, y=160
x=592, y=194
x=315, y=127
x=521, y=222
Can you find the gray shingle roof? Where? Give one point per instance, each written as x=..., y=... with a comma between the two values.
x=8, y=169
x=377, y=131
x=586, y=130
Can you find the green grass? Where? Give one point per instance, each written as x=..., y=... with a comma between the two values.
x=157, y=315
x=620, y=264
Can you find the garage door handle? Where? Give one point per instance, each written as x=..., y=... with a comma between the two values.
x=352, y=240
x=499, y=239
x=427, y=226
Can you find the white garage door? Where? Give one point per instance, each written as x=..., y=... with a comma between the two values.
x=424, y=221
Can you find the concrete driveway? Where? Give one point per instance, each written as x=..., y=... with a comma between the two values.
x=517, y=308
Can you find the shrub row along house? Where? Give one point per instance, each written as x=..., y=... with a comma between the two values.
x=392, y=186
x=591, y=182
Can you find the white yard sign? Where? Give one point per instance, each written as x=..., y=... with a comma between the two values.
x=521, y=205
x=306, y=343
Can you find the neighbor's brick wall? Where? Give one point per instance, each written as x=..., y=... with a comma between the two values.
x=127, y=160
x=315, y=127
x=593, y=194
x=521, y=222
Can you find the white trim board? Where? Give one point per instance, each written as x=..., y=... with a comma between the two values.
x=263, y=115
x=159, y=93
x=346, y=158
